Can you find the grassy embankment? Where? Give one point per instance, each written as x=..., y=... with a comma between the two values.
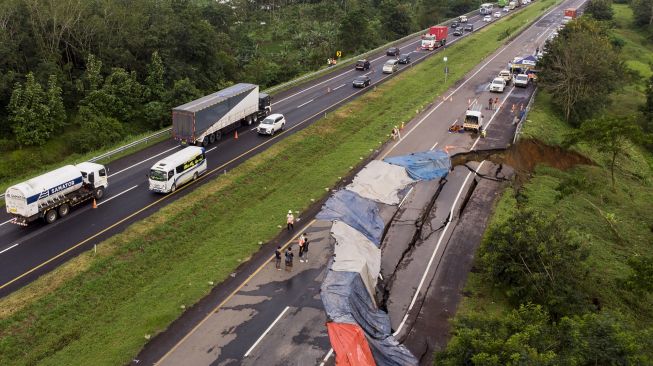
x=98, y=309
x=589, y=200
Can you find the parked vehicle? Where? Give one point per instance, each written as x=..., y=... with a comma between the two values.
x=521, y=80
x=172, y=172
x=571, y=12
x=362, y=81
x=455, y=25
x=271, y=124
x=390, y=66
x=487, y=18
x=497, y=14
x=498, y=85
x=206, y=120
x=437, y=37
x=53, y=194
x=462, y=19
x=566, y=20
x=468, y=28
x=392, y=51
x=506, y=75
x=362, y=65
x=473, y=119
x=486, y=9
x=458, y=32
x=512, y=5
x=404, y=59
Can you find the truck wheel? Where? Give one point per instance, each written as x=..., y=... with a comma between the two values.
x=99, y=193
x=64, y=210
x=248, y=121
x=211, y=138
x=205, y=142
x=50, y=216
x=218, y=135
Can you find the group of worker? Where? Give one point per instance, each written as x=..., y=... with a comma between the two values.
x=332, y=61
x=302, y=243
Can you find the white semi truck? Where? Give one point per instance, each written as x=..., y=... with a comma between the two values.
x=53, y=194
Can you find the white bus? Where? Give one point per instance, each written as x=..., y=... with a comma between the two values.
x=177, y=169
x=486, y=8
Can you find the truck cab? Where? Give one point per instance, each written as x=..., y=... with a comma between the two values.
x=94, y=176
x=264, y=105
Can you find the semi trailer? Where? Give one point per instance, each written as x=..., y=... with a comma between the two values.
x=53, y=194
x=205, y=120
x=436, y=37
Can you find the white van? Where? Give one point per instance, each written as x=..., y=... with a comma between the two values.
x=177, y=169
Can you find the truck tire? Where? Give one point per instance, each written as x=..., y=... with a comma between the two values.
x=99, y=193
x=248, y=120
x=50, y=216
x=211, y=138
x=218, y=135
x=64, y=210
x=205, y=142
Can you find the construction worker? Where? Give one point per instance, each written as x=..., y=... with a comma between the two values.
x=277, y=258
x=289, y=257
x=395, y=133
x=300, y=244
x=290, y=221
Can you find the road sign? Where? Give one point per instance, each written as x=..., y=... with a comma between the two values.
x=338, y=53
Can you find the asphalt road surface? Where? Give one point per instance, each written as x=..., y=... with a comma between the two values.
x=276, y=317
x=28, y=252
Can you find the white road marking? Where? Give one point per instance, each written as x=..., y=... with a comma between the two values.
x=215, y=147
x=339, y=86
x=116, y=195
x=141, y=162
x=303, y=104
x=435, y=251
x=402, y=202
x=13, y=246
x=436, y=144
x=326, y=358
x=266, y=332
x=6, y=222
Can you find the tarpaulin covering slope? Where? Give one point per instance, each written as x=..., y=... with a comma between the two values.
x=356, y=211
x=346, y=300
x=350, y=345
x=424, y=165
x=355, y=253
x=380, y=182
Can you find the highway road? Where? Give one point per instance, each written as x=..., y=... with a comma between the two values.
x=276, y=318
x=28, y=252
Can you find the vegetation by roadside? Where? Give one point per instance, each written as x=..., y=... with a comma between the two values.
x=101, y=308
x=564, y=269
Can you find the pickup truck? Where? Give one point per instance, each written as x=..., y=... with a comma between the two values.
x=506, y=75
x=362, y=65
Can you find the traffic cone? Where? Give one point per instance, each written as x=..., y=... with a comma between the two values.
x=236, y=135
x=328, y=90
x=94, y=203
x=402, y=126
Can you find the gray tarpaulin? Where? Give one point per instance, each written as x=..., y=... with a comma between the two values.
x=424, y=165
x=356, y=253
x=380, y=182
x=346, y=300
x=356, y=211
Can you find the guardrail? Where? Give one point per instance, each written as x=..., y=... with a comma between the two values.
x=523, y=117
x=108, y=154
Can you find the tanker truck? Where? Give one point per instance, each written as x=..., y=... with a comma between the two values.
x=53, y=194
x=205, y=120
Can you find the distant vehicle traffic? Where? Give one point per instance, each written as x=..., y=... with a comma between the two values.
x=362, y=65
x=498, y=85
x=206, y=120
x=487, y=18
x=468, y=28
x=462, y=19
x=506, y=76
x=362, y=81
x=521, y=80
x=53, y=194
x=497, y=14
x=392, y=51
x=404, y=59
x=512, y=5
x=390, y=66
x=458, y=32
x=271, y=124
x=486, y=8
x=436, y=37
x=172, y=172
x=571, y=12
x=455, y=25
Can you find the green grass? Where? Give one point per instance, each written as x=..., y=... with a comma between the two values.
x=98, y=309
x=585, y=209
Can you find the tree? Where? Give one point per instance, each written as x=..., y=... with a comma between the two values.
x=29, y=113
x=609, y=134
x=600, y=9
x=354, y=30
x=580, y=82
x=395, y=19
x=536, y=259
x=182, y=92
x=643, y=12
x=54, y=101
x=647, y=109
x=641, y=280
x=154, y=81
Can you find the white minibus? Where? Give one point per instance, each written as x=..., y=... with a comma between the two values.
x=177, y=169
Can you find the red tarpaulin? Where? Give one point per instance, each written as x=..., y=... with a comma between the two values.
x=350, y=345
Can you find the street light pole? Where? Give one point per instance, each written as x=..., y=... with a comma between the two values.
x=446, y=69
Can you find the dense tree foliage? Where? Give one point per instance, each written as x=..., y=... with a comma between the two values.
x=580, y=82
x=600, y=9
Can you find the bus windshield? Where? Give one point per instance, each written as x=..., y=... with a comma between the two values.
x=158, y=175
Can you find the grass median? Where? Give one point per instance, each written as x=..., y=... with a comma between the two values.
x=101, y=308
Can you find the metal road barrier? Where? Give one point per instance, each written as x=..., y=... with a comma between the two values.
x=523, y=119
x=108, y=154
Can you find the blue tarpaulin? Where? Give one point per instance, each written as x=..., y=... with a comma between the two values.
x=425, y=165
x=358, y=212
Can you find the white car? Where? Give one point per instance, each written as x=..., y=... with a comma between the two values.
x=497, y=14
x=506, y=9
x=498, y=85
x=521, y=80
x=462, y=19
x=390, y=66
x=487, y=18
x=271, y=124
